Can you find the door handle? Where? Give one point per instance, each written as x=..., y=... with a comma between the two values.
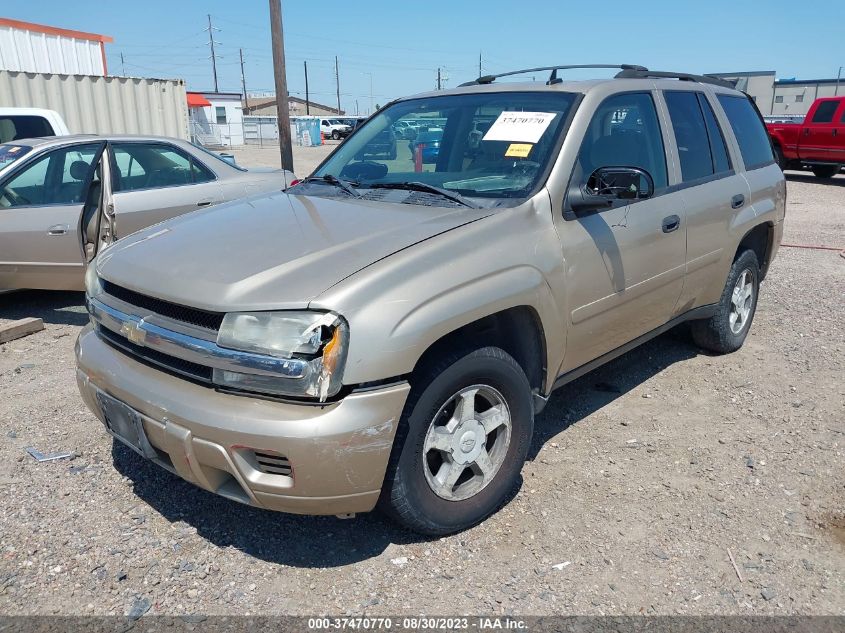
x=671, y=223
x=834, y=132
x=737, y=201
x=57, y=229
x=203, y=203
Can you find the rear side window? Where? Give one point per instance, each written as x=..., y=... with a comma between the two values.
x=824, y=113
x=17, y=127
x=718, y=147
x=691, y=135
x=751, y=135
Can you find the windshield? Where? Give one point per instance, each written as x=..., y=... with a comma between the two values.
x=493, y=145
x=11, y=153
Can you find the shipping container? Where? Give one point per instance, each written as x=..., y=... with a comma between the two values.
x=92, y=104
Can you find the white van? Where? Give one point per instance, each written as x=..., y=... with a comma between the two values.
x=20, y=123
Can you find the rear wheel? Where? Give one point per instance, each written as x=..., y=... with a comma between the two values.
x=826, y=171
x=461, y=443
x=726, y=330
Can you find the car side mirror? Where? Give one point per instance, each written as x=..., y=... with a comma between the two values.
x=606, y=185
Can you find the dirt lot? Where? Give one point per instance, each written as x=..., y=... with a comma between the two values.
x=643, y=476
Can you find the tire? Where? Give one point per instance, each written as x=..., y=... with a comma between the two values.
x=412, y=493
x=391, y=155
x=780, y=159
x=726, y=330
x=335, y=135
x=826, y=171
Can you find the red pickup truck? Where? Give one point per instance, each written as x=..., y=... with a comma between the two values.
x=818, y=142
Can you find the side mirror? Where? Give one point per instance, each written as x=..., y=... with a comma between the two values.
x=606, y=185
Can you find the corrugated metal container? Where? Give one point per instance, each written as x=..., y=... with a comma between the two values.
x=45, y=49
x=102, y=105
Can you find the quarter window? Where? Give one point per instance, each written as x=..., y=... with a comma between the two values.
x=57, y=178
x=747, y=126
x=151, y=166
x=824, y=113
x=625, y=132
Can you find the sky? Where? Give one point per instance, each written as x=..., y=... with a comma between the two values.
x=391, y=49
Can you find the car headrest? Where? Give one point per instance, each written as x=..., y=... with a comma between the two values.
x=79, y=169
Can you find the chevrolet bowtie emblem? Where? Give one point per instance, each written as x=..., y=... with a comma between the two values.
x=133, y=331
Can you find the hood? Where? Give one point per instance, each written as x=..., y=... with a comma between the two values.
x=269, y=252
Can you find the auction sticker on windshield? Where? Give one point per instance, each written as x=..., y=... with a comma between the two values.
x=519, y=127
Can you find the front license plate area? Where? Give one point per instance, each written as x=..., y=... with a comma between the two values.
x=126, y=425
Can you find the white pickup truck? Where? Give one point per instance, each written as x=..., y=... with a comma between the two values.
x=20, y=123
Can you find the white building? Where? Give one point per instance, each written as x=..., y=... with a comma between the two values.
x=36, y=48
x=216, y=118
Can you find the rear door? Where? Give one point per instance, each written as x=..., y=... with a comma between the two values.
x=41, y=204
x=713, y=190
x=817, y=136
x=155, y=181
x=838, y=146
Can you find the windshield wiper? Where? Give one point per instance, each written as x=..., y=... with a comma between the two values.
x=422, y=186
x=345, y=185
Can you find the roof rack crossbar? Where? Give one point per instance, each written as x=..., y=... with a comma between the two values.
x=488, y=79
x=635, y=73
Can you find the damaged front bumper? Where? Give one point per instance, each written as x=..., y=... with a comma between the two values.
x=306, y=459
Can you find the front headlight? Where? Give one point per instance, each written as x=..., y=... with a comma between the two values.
x=318, y=340
x=93, y=287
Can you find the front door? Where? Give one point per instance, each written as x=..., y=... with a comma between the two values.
x=625, y=264
x=40, y=208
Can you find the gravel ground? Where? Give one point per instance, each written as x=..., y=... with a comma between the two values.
x=645, y=476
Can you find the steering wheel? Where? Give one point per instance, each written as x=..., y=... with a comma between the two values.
x=15, y=198
x=525, y=168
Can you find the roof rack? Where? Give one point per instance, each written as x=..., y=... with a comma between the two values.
x=634, y=73
x=553, y=78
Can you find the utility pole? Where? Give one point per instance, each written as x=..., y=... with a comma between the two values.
x=307, y=99
x=277, y=36
x=211, y=30
x=438, y=78
x=243, y=81
x=479, y=63
x=838, y=77
x=337, y=83
x=122, y=66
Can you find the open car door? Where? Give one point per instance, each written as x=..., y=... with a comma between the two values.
x=41, y=205
x=96, y=222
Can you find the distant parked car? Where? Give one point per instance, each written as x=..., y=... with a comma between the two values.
x=818, y=142
x=20, y=123
x=429, y=144
x=405, y=129
x=335, y=129
x=61, y=197
x=382, y=145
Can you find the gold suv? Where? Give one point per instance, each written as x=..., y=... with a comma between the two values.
x=383, y=332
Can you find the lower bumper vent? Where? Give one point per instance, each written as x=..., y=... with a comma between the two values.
x=272, y=463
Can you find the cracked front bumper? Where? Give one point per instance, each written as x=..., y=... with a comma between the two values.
x=337, y=452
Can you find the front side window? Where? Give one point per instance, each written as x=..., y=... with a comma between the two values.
x=487, y=145
x=154, y=165
x=625, y=132
x=56, y=178
x=824, y=113
x=747, y=126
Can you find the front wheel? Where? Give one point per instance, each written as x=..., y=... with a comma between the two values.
x=726, y=330
x=461, y=444
x=825, y=171
x=335, y=135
